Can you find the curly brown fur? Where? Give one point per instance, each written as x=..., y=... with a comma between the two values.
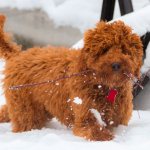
x=31, y=107
x=4, y=116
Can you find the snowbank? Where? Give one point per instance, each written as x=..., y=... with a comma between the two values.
x=55, y=137
x=146, y=65
x=76, y=13
x=139, y=21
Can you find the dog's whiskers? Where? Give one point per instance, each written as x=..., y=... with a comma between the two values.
x=134, y=79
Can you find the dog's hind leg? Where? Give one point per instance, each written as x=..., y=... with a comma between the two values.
x=25, y=114
x=4, y=116
x=32, y=117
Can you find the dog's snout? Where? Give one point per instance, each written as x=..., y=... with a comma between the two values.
x=116, y=66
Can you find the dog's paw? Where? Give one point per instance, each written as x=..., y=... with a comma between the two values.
x=94, y=133
x=101, y=135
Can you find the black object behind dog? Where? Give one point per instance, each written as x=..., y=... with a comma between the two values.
x=125, y=8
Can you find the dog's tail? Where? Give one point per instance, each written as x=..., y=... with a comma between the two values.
x=7, y=48
x=4, y=116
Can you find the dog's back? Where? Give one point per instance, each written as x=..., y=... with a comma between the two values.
x=35, y=66
x=32, y=66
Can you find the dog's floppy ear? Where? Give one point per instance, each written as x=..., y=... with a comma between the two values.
x=96, y=40
x=138, y=55
x=84, y=57
x=91, y=36
x=93, y=44
x=93, y=39
x=2, y=20
x=139, y=62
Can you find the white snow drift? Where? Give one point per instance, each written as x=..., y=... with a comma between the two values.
x=55, y=137
x=81, y=14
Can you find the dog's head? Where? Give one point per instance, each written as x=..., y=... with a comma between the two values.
x=111, y=49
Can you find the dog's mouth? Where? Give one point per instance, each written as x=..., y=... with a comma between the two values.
x=134, y=79
x=116, y=79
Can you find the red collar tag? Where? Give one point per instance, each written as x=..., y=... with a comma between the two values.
x=111, y=97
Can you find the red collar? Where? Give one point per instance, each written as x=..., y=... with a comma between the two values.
x=111, y=97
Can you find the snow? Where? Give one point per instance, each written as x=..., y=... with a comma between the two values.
x=78, y=45
x=76, y=13
x=77, y=100
x=58, y=10
x=139, y=21
x=111, y=122
x=55, y=136
x=57, y=83
x=99, y=86
x=146, y=65
x=97, y=115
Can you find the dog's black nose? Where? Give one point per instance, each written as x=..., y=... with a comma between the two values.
x=116, y=66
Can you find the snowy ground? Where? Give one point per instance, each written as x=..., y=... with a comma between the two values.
x=54, y=137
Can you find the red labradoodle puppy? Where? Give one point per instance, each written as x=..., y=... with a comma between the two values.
x=86, y=90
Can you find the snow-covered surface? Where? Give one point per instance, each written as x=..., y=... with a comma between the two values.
x=146, y=65
x=139, y=21
x=78, y=45
x=76, y=13
x=99, y=86
x=55, y=137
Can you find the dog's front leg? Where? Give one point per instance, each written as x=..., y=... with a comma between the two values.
x=86, y=124
x=125, y=109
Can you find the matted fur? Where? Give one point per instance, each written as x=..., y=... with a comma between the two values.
x=31, y=107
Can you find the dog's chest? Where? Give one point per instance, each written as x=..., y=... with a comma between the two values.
x=103, y=93
x=109, y=110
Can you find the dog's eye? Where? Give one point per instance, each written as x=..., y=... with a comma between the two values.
x=134, y=44
x=126, y=52
x=104, y=51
